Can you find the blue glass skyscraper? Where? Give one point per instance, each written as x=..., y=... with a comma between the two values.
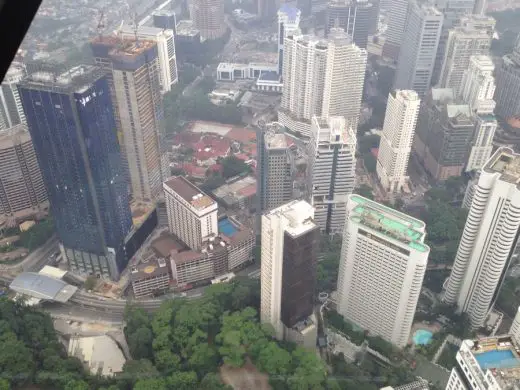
x=71, y=121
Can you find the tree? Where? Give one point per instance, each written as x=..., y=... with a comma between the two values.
x=212, y=381
x=90, y=282
x=365, y=190
x=77, y=385
x=151, y=384
x=167, y=362
x=135, y=370
x=232, y=166
x=274, y=360
x=183, y=381
x=140, y=343
x=370, y=162
x=4, y=384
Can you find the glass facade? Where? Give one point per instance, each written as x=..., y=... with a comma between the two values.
x=72, y=126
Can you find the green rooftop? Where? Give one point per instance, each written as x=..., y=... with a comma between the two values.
x=390, y=222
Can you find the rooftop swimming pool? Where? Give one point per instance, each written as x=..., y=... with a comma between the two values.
x=497, y=359
x=226, y=227
x=422, y=337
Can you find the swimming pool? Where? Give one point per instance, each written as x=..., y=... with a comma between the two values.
x=422, y=337
x=497, y=359
x=226, y=227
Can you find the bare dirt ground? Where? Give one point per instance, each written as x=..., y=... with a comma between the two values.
x=244, y=378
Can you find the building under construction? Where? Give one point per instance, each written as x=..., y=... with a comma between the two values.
x=132, y=68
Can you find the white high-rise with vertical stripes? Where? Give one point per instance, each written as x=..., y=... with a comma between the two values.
x=488, y=239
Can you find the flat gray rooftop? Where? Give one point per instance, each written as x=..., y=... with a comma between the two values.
x=43, y=287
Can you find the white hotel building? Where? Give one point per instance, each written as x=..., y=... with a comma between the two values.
x=165, y=40
x=382, y=266
x=395, y=146
x=489, y=237
x=192, y=215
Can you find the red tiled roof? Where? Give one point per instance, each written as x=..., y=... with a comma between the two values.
x=242, y=135
x=248, y=191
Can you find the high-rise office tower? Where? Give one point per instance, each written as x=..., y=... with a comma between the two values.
x=475, y=370
x=477, y=89
x=165, y=52
x=288, y=24
x=453, y=11
x=444, y=134
x=321, y=78
x=382, y=266
x=417, y=58
x=488, y=240
x=11, y=111
x=515, y=327
x=396, y=11
x=472, y=37
x=133, y=74
x=401, y=115
x=208, y=18
x=165, y=19
x=266, y=9
x=288, y=271
x=23, y=193
x=71, y=121
x=331, y=171
x=275, y=184
x=507, y=93
x=357, y=17
x=192, y=215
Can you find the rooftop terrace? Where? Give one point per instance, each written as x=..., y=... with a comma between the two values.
x=189, y=192
x=506, y=162
x=392, y=223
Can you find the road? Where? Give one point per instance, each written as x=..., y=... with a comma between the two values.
x=35, y=260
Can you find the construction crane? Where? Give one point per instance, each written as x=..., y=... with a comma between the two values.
x=101, y=24
x=135, y=25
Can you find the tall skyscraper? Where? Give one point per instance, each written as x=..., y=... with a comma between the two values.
x=477, y=89
x=288, y=271
x=396, y=11
x=402, y=111
x=472, y=37
x=488, y=240
x=11, y=111
x=321, y=78
x=515, y=327
x=288, y=25
x=192, y=215
x=507, y=93
x=165, y=52
x=23, y=193
x=165, y=19
x=71, y=121
x=133, y=74
x=358, y=18
x=382, y=266
x=331, y=171
x=444, y=134
x=417, y=57
x=275, y=183
x=266, y=9
x=474, y=370
x=453, y=11
x=208, y=18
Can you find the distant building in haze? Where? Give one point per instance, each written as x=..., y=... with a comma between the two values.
x=507, y=93
x=472, y=37
x=358, y=18
x=266, y=9
x=288, y=24
x=165, y=19
x=208, y=18
x=417, y=57
x=81, y=165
